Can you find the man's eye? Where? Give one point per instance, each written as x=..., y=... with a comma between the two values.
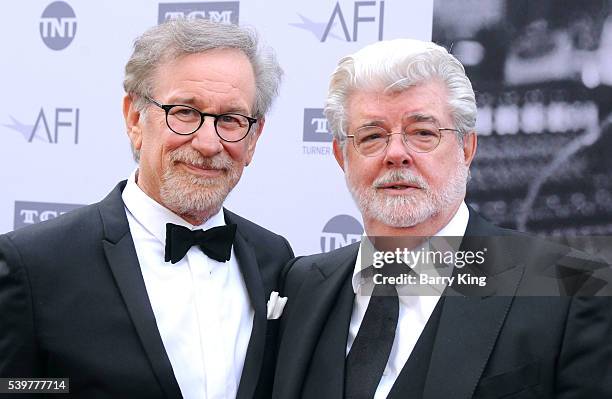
x=371, y=136
x=184, y=113
x=228, y=119
x=232, y=121
x=424, y=133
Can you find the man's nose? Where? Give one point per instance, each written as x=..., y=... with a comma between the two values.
x=397, y=152
x=205, y=139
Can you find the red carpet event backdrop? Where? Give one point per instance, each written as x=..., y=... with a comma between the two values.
x=542, y=71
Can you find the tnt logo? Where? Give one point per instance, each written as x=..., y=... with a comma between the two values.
x=315, y=126
x=340, y=231
x=224, y=12
x=27, y=213
x=58, y=25
x=49, y=126
x=345, y=23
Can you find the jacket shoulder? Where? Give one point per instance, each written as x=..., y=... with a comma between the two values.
x=75, y=235
x=327, y=262
x=254, y=233
x=72, y=226
x=69, y=226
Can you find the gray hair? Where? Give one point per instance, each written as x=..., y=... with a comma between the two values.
x=394, y=66
x=179, y=37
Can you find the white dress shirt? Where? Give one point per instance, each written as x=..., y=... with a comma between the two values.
x=201, y=306
x=414, y=312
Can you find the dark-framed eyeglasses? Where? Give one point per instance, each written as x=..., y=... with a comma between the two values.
x=186, y=120
x=371, y=141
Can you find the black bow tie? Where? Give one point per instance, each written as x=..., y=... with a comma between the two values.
x=216, y=243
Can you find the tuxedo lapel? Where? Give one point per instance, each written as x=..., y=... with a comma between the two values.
x=123, y=261
x=329, y=357
x=469, y=325
x=468, y=329
x=252, y=277
x=305, y=323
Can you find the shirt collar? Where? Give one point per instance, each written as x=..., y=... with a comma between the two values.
x=457, y=225
x=455, y=228
x=153, y=216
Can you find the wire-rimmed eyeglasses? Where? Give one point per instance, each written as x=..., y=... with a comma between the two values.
x=371, y=141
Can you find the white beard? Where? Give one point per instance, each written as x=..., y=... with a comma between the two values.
x=410, y=209
x=188, y=194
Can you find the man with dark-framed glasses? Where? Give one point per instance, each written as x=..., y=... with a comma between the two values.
x=186, y=120
x=158, y=291
x=435, y=302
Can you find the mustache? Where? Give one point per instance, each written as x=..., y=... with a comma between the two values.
x=403, y=175
x=193, y=157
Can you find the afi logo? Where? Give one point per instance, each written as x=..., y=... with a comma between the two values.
x=315, y=126
x=64, y=121
x=340, y=231
x=349, y=20
x=224, y=12
x=27, y=213
x=58, y=25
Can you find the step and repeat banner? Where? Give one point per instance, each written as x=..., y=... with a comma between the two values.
x=541, y=71
x=63, y=141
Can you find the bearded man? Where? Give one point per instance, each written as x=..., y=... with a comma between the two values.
x=403, y=115
x=158, y=291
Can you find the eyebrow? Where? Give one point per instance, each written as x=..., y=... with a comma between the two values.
x=421, y=118
x=184, y=100
x=374, y=122
x=416, y=117
x=193, y=102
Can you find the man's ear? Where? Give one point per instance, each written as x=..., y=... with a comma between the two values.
x=338, y=153
x=132, y=121
x=252, y=141
x=470, y=143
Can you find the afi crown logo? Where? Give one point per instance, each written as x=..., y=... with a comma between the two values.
x=345, y=22
x=48, y=127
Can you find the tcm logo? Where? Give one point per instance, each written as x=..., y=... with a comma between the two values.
x=340, y=231
x=344, y=23
x=50, y=126
x=58, y=25
x=315, y=126
x=219, y=11
x=27, y=213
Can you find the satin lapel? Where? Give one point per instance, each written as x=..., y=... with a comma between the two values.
x=329, y=357
x=308, y=317
x=123, y=261
x=469, y=325
x=252, y=278
x=468, y=329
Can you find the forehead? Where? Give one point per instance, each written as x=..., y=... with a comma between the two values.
x=425, y=99
x=218, y=72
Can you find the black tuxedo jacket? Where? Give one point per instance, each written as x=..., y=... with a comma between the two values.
x=490, y=346
x=73, y=304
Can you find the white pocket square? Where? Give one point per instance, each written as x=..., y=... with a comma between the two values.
x=276, y=304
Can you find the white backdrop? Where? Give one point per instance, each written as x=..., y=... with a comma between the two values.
x=62, y=139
